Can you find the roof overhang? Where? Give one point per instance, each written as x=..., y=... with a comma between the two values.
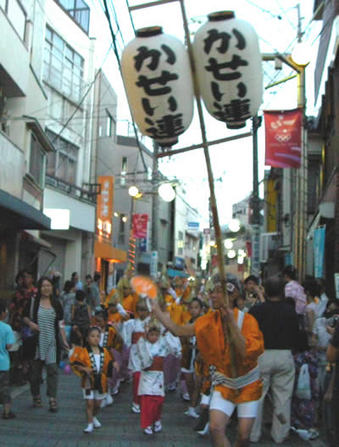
x=34, y=125
x=106, y=251
x=17, y=214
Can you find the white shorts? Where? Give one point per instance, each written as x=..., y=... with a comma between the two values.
x=205, y=400
x=245, y=410
x=92, y=394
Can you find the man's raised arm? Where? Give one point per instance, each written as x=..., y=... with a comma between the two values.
x=187, y=330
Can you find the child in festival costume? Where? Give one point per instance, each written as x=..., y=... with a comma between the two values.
x=112, y=341
x=172, y=364
x=132, y=330
x=151, y=352
x=189, y=352
x=115, y=311
x=93, y=364
x=221, y=333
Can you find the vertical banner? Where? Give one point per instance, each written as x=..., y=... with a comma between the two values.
x=105, y=206
x=319, y=251
x=139, y=225
x=283, y=138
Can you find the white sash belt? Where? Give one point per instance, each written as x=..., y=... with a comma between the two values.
x=238, y=382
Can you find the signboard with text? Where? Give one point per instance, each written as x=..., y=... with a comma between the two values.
x=105, y=206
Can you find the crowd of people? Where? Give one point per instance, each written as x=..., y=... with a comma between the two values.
x=271, y=353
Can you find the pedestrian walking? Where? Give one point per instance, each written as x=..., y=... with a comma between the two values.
x=7, y=339
x=294, y=290
x=278, y=322
x=44, y=316
x=67, y=299
x=93, y=364
x=81, y=318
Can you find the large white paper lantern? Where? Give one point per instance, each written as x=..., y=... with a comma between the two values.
x=158, y=83
x=229, y=68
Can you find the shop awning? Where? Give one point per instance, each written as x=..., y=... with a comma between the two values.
x=106, y=251
x=17, y=214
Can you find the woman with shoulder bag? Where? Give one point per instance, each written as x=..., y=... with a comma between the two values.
x=44, y=316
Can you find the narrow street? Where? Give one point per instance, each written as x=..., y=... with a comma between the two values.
x=39, y=428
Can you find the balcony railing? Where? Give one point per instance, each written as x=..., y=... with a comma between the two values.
x=88, y=192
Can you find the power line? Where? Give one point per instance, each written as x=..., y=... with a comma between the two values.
x=266, y=11
x=114, y=41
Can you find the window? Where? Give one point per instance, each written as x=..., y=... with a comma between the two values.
x=78, y=10
x=110, y=128
x=16, y=14
x=123, y=171
x=122, y=221
x=37, y=161
x=63, y=163
x=63, y=67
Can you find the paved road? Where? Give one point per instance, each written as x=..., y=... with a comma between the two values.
x=39, y=428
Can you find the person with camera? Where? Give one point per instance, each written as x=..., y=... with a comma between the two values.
x=254, y=292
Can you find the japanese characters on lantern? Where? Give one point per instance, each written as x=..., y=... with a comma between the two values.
x=158, y=83
x=229, y=68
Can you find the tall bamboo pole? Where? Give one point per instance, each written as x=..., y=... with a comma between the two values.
x=213, y=201
x=214, y=207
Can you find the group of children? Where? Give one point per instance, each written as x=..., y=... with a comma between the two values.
x=126, y=342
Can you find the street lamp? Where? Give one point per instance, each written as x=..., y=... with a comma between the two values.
x=301, y=54
x=133, y=191
x=228, y=244
x=166, y=192
x=234, y=225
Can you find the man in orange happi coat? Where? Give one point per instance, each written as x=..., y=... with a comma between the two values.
x=228, y=392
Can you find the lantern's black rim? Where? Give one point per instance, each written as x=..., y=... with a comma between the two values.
x=220, y=15
x=149, y=31
x=237, y=125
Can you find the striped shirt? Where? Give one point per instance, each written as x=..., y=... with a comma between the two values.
x=47, y=340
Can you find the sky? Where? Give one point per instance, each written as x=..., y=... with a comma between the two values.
x=275, y=22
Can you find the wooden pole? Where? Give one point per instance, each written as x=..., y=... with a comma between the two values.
x=214, y=208
x=213, y=201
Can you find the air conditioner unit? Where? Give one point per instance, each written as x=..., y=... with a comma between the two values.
x=268, y=242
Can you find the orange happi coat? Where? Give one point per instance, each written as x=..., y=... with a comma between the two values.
x=81, y=357
x=129, y=303
x=112, y=338
x=214, y=350
x=114, y=317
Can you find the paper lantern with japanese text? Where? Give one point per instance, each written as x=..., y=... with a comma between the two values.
x=229, y=68
x=158, y=82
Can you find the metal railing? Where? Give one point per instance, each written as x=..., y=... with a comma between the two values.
x=88, y=192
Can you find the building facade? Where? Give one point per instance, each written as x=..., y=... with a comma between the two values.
x=24, y=146
x=68, y=76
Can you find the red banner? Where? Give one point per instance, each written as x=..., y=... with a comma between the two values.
x=283, y=138
x=139, y=225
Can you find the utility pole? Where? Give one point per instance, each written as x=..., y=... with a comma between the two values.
x=301, y=175
x=255, y=201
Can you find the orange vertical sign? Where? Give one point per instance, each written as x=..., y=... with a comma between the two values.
x=105, y=205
